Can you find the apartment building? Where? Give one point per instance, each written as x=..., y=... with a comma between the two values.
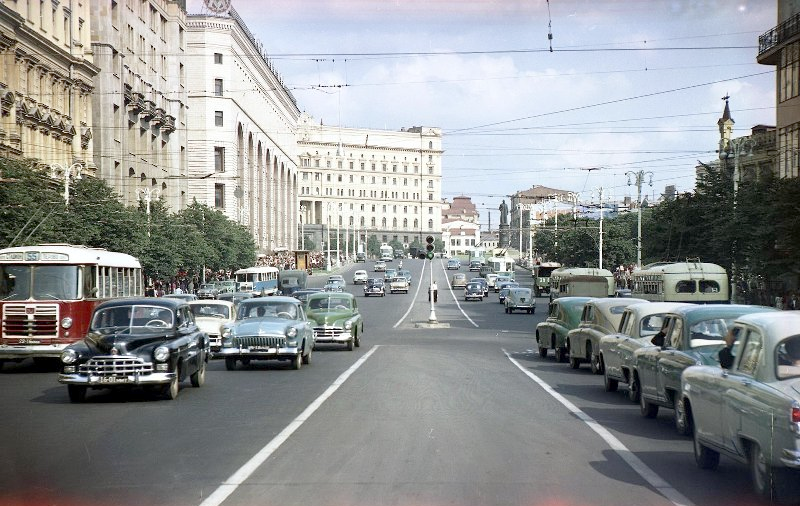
x=243, y=120
x=357, y=182
x=46, y=80
x=140, y=99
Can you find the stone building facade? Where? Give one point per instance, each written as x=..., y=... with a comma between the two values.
x=243, y=123
x=358, y=182
x=140, y=99
x=46, y=81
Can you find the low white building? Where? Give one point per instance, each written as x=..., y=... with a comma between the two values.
x=460, y=237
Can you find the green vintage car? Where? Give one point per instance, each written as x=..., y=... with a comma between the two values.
x=564, y=315
x=693, y=336
x=599, y=317
x=751, y=411
x=336, y=318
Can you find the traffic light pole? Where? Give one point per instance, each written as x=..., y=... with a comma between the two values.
x=432, y=296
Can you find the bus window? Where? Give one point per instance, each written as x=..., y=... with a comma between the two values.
x=55, y=282
x=15, y=282
x=685, y=286
x=709, y=286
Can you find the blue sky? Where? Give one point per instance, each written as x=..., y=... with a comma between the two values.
x=630, y=84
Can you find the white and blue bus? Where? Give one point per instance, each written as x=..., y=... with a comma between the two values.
x=260, y=280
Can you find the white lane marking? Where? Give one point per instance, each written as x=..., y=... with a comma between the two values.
x=632, y=460
x=459, y=305
x=243, y=473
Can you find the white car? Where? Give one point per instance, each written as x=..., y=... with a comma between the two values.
x=360, y=277
x=211, y=316
x=336, y=279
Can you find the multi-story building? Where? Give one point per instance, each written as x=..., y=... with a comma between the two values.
x=780, y=47
x=532, y=207
x=243, y=121
x=139, y=104
x=46, y=80
x=357, y=183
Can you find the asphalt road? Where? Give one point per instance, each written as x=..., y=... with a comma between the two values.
x=463, y=413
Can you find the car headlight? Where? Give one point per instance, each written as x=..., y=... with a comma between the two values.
x=291, y=332
x=69, y=356
x=66, y=322
x=161, y=354
x=348, y=325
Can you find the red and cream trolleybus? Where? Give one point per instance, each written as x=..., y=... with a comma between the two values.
x=48, y=293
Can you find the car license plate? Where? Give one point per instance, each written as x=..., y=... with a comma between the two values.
x=114, y=379
x=263, y=349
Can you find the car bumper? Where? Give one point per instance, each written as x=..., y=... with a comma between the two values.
x=343, y=337
x=265, y=352
x=19, y=352
x=790, y=458
x=153, y=378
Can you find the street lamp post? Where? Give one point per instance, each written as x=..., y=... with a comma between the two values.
x=639, y=178
x=600, y=245
x=328, y=235
x=735, y=149
x=302, y=227
x=72, y=171
x=149, y=195
x=338, y=233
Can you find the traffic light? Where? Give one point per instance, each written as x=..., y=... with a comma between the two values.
x=429, y=247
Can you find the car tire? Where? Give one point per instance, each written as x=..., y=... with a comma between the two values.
x=307, y=357
x=358, y=340
x=198, y=378
x=682, y=417
x=705, y=457
x=507, y=311
x=351, y=344
x=542, y=352
x=297, y=361
x=77, y=393
x=574, y=363
x=170, y=390
x=647, y=408
x=561, y=355
x=594, y=361
x=230, y=363
x=610, y=384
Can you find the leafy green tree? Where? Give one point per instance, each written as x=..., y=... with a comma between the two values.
x=373, y=246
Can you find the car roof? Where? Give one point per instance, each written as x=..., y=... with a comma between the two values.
x=778, y=324
x=166, y=302
x=254, y=301
x=694, y=312
x=325, y=295
x=210, y=301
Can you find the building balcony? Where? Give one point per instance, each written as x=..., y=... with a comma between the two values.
x=771, y=41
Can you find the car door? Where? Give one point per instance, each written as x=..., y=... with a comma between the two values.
x=647, y=359
x=671, y=361
x=577, y=336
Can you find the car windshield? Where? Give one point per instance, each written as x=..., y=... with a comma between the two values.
x=788, y=358
x=268, y=308
x=329, y=303
x=709, y=332
x=211, y=310
x=132, y=316
x=650, y=325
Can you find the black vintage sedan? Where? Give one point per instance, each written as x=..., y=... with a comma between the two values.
x=149, y=342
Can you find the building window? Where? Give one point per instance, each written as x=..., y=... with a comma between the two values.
x=219, y=159
x=218, y=58
x=219, y=196
x=218, y=118
x=430, y=224
x=218, y=87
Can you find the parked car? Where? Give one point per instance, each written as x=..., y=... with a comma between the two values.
x=639, y=323
x=693, y=335
x=268, y=328
x=137, y=341
x=183, y=296
x=453, y=264
x=598, y=318
x=459, y=280
x=751, y=411
x=483, y=283
x=375, y=286
x=360, y=277
x=473, y=291
x=207, y=291
x=521, y=299
x=503, y=293
x=336, y=318
x=212, y=316
x=551, y=334
x=380, y=266
x=398, y=284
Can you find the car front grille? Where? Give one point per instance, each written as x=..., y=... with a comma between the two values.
x=115, y=366
x=327, y=332
x=259, y=342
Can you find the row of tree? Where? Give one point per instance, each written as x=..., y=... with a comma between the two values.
x=33, y=211
x=755, y=233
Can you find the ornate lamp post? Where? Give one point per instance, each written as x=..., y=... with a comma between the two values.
x=149, y=195
x=303, y=210
x=72, y=171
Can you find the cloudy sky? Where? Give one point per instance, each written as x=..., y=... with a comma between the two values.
x=630, y=85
